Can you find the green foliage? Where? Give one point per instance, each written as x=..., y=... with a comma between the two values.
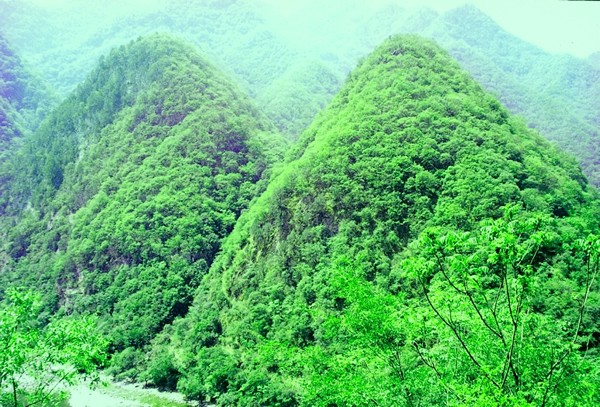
x=162, y=372
x=36, y=359
x=491, y=338
x=24, y=100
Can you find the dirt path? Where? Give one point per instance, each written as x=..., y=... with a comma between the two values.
x=84, y=397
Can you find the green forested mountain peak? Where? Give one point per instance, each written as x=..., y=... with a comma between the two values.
x=327, y=292
x=418, y=245
x=555, y=93
x=155, y=81
x=124, y=193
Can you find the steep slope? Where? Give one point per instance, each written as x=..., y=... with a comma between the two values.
x=556, y=94
x=325, y=292
x=124, y=193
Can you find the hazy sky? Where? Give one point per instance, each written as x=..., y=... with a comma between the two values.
x=556, y=26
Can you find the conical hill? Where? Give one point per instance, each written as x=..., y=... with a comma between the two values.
x=126, y=190
x=326, y=292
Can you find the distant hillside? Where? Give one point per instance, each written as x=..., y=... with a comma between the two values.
x=122, y=196
x=417, y=230
x=24, y=99
x=594, y=59
x=232, y=34
x=270, y=54
x=24, y=102
x=293, y=99
x=557, y=94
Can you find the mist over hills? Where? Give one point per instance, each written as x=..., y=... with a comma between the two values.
x=249, y=228
x=24, y=101
x=270, y=53
x=233, y=34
